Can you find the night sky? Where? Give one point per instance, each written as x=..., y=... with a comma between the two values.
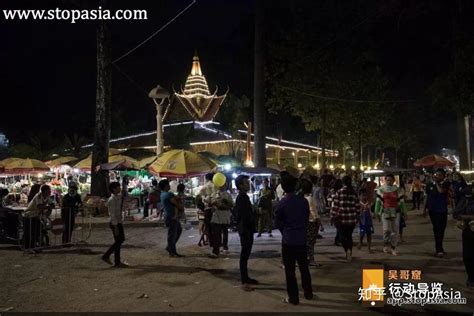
x=48, y=68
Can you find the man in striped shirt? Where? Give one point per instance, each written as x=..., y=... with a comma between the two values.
x=345, y=212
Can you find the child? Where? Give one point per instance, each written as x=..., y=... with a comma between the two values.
x=203, y=229
x=366, y=226
x=182, y=197
x=114, y=205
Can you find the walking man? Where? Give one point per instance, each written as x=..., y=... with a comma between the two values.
x=464, y=212
x=345, y=212
x=291, y=218
x=388, y=206
x=171, y=205
x=246, y=228
x=437, y=207
x=115, y=205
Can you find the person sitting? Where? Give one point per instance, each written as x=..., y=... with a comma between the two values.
x=71, y=203
x=38, y=205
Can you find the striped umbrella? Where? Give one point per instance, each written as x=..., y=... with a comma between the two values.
x=27, y=165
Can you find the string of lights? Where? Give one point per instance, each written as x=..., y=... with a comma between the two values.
x=155, y=33
x=335, y=152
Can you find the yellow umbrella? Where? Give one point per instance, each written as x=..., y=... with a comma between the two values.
x=180, y=164
x=85, y=164
x=6, y=161
x=60, y=161
x=26, y=166
x=146, y=161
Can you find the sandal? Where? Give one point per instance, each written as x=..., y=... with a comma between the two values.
x=287, y=301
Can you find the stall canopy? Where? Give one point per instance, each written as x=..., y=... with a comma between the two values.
x=85, y=164
x=22, y=166
x=121, y=165
x=433, y=161
x=180, y=164
x=60, y=161
x=145, y=162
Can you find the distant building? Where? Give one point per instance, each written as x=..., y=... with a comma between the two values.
x=189, y=123
x=3, y=140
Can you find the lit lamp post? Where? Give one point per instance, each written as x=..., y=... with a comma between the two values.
x=159, y=95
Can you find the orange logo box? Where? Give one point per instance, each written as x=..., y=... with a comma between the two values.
x=373, y=290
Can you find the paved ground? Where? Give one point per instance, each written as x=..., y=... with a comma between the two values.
x=77, y=280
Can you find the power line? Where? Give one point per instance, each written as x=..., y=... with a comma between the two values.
x=130, y=79
x=345, y=100
x=154, y=34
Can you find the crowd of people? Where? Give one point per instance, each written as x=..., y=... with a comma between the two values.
x=294, y=205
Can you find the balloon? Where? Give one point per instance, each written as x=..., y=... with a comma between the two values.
x=219, y=179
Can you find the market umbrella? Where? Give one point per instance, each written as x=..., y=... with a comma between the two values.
x=26, y=166
x=60, y=161
x=6, y=161
x=180, y=164
x=145, y=162
x=121, y=165
x=433, y=161
x=85, y=164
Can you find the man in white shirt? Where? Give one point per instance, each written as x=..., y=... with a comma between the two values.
x=114, y=205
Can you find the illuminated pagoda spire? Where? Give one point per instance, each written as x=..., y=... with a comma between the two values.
x=196, y=97
x=196, y=83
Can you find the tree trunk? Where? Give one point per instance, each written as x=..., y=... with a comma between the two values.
x=260, y=159
x=100, y=151
x=323, y=140
x=463, y=142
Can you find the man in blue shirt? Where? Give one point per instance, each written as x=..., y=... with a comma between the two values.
x=171, y=206
x=291, y=218
x=437, y=206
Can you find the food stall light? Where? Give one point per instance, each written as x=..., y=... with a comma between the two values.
x=249, y=163
x=76, y=170
x=317, y=166
x=353, y=167
x=293, y=154
x=368, y=168
x=343, y=167
x=467, y=171
x=374, y=171
x=331, y=167
x=40, y=175
x=300, y=165
x=234, y=175
x=227, y=166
